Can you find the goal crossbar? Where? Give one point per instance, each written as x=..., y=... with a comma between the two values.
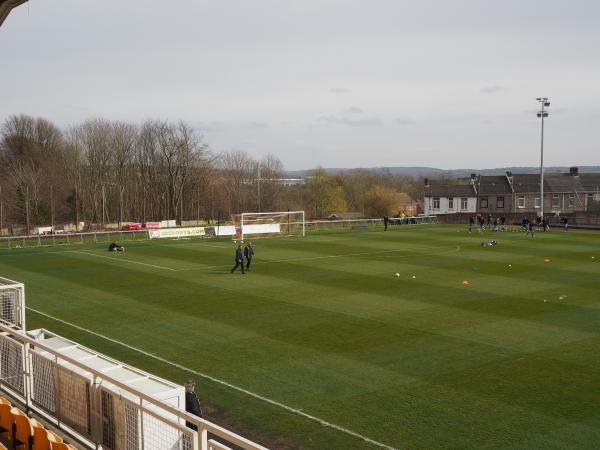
x=246, y=221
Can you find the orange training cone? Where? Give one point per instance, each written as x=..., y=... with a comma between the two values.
x=546, y=260
x=466, y=282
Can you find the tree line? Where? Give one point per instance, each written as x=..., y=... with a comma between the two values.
x=101, y=171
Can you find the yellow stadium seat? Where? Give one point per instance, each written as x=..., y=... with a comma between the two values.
x=23, y=429
x=6, y=419
x=61, y=446
x=43, y=438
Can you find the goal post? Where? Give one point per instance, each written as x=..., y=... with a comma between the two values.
x=12, y=303
x=282, y=223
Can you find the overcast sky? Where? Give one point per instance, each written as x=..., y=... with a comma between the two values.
x=338, y=83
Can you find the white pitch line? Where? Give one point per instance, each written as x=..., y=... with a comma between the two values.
x=216, y=380
x=310, y=258
x=129, y=261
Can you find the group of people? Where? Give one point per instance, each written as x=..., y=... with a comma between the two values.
x=493, y=223
x=247, y=253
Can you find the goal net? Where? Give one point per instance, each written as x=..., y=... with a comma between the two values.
x=288, y=223
x=12, y=303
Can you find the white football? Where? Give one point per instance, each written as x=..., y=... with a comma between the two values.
x=397, y=275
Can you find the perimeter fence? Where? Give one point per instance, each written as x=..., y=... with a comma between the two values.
x=105, y=237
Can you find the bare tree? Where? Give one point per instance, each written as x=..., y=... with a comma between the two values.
x=237, y=169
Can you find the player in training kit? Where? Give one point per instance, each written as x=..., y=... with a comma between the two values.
x=530, y=229
x=114, y=247
x=239, y=260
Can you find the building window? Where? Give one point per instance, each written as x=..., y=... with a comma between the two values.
x=571, y=200
x=464, y=204
x=555, y=201
x=483, y=202
x=520, y=201
x=436, y=203
x=499, y=202
x=451, y=203
x=537, y=202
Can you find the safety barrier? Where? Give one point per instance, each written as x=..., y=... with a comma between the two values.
x=96, y=409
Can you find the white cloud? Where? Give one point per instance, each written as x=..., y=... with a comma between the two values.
x=339, y=90
x=492, y=89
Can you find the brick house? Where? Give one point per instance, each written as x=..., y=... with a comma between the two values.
x=495, y=195
x=564, y=193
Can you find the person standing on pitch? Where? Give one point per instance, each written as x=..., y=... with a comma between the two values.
x=249, y=254
x=239, y=260
x=386, y=220
x=192, y=404
x=531, y=229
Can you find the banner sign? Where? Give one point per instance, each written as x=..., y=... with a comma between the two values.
x=163, y=233
x=261, y=228
x=225, y=230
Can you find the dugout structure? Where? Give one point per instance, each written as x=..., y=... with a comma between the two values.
x=284, y=223
x=12, y=303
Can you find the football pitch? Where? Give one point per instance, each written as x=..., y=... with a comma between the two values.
x=321, y=346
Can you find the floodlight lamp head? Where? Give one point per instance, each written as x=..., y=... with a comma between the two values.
x=546, y=104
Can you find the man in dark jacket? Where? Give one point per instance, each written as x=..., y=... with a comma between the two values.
x=386, y=220
x=192, y=404
x=249, y=254
x=239, y=260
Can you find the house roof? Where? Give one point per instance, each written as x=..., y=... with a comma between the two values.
x=450, y=190
x=590, y=181
x=526, y=182
x=522, y=183
x=494, y=185
x=403, y=198
x=562, y=182
x=556, y=183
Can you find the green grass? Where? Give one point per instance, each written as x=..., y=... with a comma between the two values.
x=322, y=325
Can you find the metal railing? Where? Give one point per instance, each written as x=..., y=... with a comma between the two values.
x=51, y=240
x=96, y=409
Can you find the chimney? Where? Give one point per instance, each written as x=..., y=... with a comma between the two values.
x=426, y=182
x=508, y=174
x=574, y=171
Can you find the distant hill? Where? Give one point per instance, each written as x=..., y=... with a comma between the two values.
x=432, y=172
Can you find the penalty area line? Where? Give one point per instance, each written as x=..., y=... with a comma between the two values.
x=129, y=261
x=218, y=381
